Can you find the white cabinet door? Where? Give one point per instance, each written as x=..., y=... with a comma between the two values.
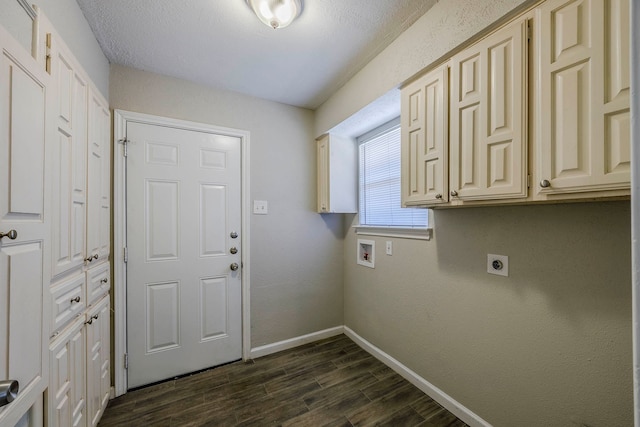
x=67, y=397
x=98, y=179
x=425, y=139
x=322, y=156
x=69, y=165
x=98, y=360
x=24, y=207
x=584, y=135
x=488, y=144
x=337, y=161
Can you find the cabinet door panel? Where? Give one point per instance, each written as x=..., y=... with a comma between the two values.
x=67, y=379
x=98, y=160
x=69, y=170
x=98, y=362
x=424, y=138
x=488, y=144
x=584, y=134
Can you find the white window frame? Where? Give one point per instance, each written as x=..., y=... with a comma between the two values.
x=421, y=233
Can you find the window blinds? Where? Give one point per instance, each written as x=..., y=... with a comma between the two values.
x=379, y=179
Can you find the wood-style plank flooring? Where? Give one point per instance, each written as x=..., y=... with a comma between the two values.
x=332, y=382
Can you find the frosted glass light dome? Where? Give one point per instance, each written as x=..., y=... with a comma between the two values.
x=276, y=13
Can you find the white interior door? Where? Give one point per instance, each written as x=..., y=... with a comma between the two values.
x=183, y=211
x=24, y=253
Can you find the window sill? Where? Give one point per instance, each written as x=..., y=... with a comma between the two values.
x=399, y=232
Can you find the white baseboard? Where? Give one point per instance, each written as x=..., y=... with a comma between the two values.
x=295, y=342
x=431, y=390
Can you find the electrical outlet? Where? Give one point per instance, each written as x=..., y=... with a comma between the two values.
x=498, y=264
x=260, y=207
x=389, y=247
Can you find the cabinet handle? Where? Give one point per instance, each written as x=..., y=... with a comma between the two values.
x=12, y=234
x=91, y=257
x=454, y=193
x=8, y=391
x=76, y=299
x=91, y=319
x=105, y=280
x=438, y=196
x=545, y=183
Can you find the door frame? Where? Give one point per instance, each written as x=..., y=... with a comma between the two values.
x=120, y=120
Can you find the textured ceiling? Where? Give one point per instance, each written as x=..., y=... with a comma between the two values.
x=221, y=43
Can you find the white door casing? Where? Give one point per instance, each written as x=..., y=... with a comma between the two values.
x=174, y=316
x=24, y=200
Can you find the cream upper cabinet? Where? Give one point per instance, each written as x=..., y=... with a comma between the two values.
x=98, y=180
x=69, y=165
x=337, y=163
x=425, y=138
x=488, y=124
x=583, y=75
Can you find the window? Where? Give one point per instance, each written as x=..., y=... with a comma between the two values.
x=379, y=181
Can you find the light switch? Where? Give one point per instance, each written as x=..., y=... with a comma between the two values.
x=260, y=207
x=389, y=247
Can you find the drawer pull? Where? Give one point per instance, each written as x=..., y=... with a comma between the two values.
x=76, y=299
x=105, y=280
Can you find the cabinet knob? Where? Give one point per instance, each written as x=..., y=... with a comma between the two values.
x=454, y=193
x=545, y=183
x=105, y=280
x=8, y=391
x=91, y=258
x=12, y=234
x=76, y=299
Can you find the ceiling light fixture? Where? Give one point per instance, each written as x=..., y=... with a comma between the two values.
x=276, y=13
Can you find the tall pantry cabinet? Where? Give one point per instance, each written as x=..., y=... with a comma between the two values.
x=79, y=382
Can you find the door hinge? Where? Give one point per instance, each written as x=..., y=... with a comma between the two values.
x=126, y=361
x=125, y=255
x=124, y=141
x=528, y=181
x=528, y=30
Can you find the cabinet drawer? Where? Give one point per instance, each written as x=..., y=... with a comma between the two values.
x=67, y=301
x=98, y=283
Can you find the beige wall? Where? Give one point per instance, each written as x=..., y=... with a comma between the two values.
x=550, y=345
x=296, y=254
x=441, y=29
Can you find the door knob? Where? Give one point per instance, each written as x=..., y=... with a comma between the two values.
x=12, y=234
x=8, y=391
x=233, y=250
x=233, y=235
x=234, y=266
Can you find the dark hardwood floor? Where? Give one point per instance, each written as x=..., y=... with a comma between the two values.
x=332, y=382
